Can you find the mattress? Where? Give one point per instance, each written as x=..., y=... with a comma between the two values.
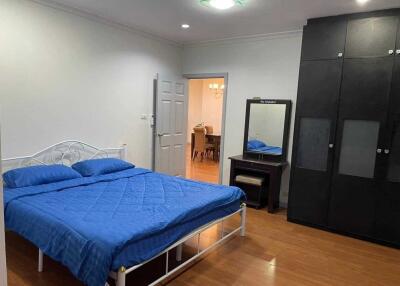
x=97, y=224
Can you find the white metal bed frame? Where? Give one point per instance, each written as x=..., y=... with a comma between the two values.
x=72, y=151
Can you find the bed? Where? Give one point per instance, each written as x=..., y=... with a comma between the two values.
x=112, y=224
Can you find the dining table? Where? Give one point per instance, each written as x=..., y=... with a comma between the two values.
x=211, y=137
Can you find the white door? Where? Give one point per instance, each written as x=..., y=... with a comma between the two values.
x=3, y=269
x=171, y=121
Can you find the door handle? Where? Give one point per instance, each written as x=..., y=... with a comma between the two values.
x=387, y=151
x=340, y=55
x=379, y=150
x=160, y=134
x=398, y=51
x=391, y=52
x=331, y=146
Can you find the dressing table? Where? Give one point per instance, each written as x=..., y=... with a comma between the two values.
x=258, y=170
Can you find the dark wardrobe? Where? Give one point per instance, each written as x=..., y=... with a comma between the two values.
x=346, y=155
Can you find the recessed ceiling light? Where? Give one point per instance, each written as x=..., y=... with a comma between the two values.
x=222, y=4
x=362, y=2
x=185, y=26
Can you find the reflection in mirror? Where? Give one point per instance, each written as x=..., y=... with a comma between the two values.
x=266, y=128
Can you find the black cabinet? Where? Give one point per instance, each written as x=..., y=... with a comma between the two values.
x=324, y=39
x=371, y=36
x=345, y=174
x=365, y=88
x=319, y=87
x=387, y=228
x=395, y=92
x=360, y=144
x=388, y=207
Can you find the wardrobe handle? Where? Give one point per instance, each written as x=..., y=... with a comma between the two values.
x=398, y=52
x=387, y=151
x=391, y=52
x=379, y=150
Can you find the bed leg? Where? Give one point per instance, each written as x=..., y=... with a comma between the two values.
x=40, y=261
x=121, y=277
x=243, y=220
x=179, y=252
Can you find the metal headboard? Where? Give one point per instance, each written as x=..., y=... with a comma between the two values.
x=66, y=153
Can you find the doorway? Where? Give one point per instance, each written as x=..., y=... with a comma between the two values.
x=205, y=127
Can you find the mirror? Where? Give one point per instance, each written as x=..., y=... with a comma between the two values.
x=266, y=132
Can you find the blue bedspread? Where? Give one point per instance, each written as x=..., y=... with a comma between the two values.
x=85, y=223
x=259, y=146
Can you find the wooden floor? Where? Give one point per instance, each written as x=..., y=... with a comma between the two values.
x=274, y=252
x=204, y=171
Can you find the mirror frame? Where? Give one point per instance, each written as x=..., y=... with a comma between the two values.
x=268, y=157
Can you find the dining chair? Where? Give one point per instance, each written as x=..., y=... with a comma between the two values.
x=200, y=144
x=209, y=129
x=217, y=146
x=215, y=141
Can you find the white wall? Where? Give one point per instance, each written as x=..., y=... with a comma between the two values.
x=258, y=67
x=64, y=76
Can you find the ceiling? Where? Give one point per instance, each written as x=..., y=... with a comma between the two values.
x=163, y=18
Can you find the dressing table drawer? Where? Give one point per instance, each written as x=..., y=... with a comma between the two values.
x=251, y=165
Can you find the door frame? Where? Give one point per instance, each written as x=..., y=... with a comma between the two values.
x=225, y=97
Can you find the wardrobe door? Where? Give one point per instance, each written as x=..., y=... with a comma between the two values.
x=324, y=38
x=319, y=86
x=388, y=209
x=359, y=159
x=371, y=37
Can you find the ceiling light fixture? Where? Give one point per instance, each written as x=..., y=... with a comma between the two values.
x=362, y=2
x=217, y=89
x=222, y=4
x=185, y=26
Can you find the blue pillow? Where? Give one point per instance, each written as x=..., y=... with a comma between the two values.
x=96, y=167
x=255, y=144
x=38, y=175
